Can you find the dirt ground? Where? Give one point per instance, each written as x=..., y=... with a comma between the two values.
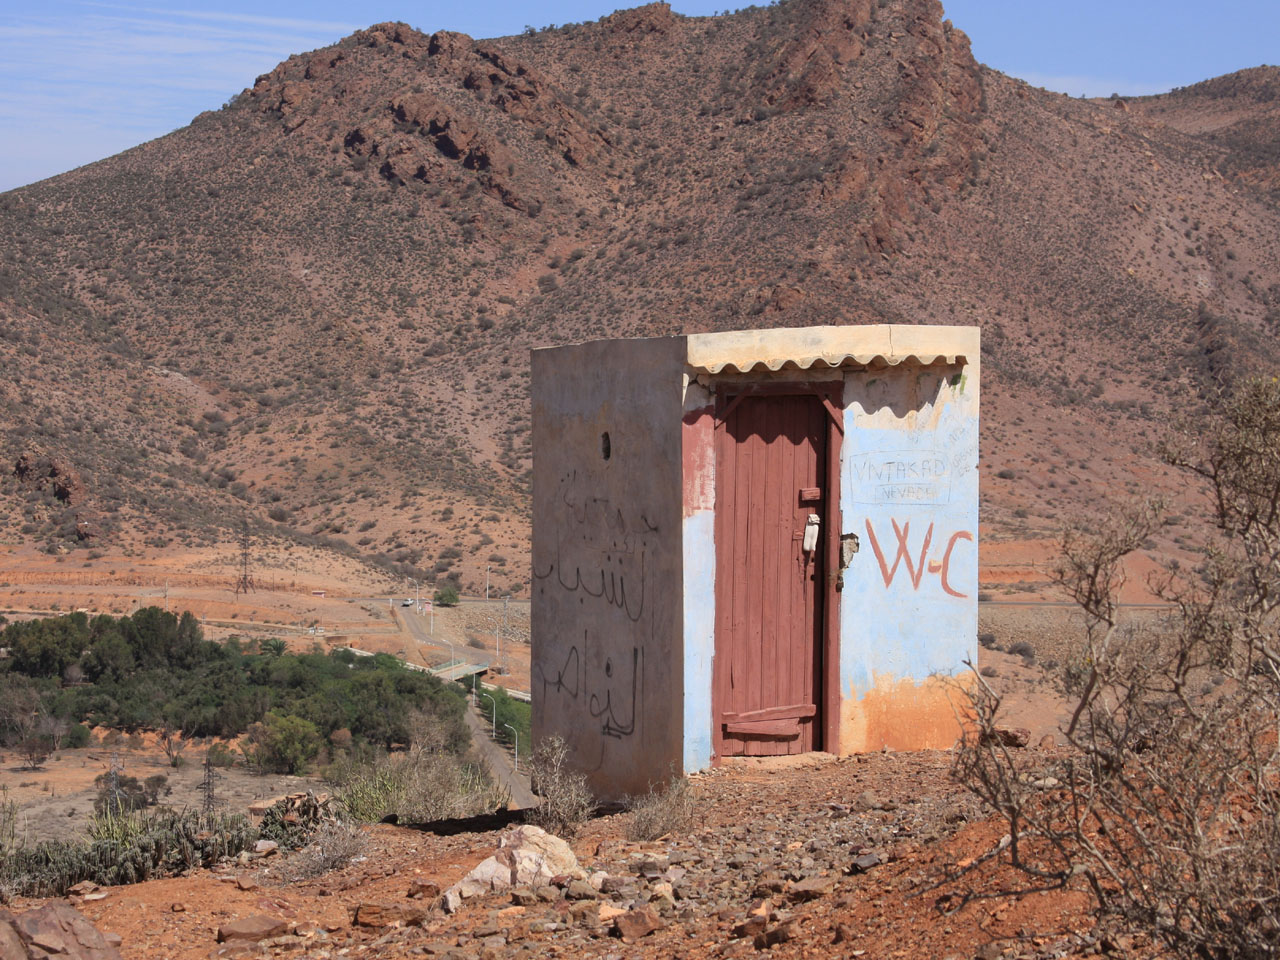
x=755, y=824
x=803, y=817
x=56, y=800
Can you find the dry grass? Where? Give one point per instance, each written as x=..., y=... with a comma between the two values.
x=566, y=800
x=665, y=809
x=333, y=846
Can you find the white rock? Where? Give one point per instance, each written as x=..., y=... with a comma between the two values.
x=526, y=855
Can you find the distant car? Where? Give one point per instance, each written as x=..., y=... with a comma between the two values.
x=407, y=603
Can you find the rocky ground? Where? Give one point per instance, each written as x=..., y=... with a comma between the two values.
x=813, y=856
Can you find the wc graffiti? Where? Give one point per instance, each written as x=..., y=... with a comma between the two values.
x=919, y=563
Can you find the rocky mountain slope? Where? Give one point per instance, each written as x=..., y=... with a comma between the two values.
x=312, y=308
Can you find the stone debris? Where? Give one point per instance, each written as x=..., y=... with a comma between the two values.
x=53, y=930
x=810, y=888
x=423, y=889
x=775, y=872
x=864, y=863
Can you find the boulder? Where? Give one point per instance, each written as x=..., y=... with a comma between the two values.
x=811, y=888
x=423, y=890
x=11, y=947
x=526, y=856
x=35, y=469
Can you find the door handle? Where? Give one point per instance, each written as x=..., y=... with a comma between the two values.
x=811, y=533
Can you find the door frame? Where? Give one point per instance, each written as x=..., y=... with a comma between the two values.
x=729, y=393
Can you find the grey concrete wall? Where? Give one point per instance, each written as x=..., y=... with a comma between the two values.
x=607, y=613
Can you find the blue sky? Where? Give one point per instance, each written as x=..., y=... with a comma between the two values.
x=83, y=80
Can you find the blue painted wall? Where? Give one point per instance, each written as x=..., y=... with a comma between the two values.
x=699, y=635
x=909, y=493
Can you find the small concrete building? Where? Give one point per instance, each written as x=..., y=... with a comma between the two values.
x=757, y=542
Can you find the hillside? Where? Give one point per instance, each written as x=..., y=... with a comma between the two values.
x=313, y=307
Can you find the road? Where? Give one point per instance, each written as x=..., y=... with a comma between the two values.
x=416, y=624
x=499, y=763
x=494, y=756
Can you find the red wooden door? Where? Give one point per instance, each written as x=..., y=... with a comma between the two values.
x=771, y=470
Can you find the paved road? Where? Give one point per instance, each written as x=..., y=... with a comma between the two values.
x=494, y=756
x=499, y=763
x=417, y=627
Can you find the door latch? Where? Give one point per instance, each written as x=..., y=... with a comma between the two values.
x=811, y=533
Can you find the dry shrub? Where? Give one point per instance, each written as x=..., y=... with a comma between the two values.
x=1168, y=804
x=566, y=800
x=425, y=783
x=665, y=809
x=333, y=846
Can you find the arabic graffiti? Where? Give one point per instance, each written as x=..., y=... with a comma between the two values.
x=613, y=551
x=605, y=708
x=596, y=577
x=561, y=682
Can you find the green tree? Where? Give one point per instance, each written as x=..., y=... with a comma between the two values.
x=45, y=648
x=447, y=595
x=109, y=658
x=284, y=744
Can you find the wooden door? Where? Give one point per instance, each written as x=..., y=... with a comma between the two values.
x=771, y=472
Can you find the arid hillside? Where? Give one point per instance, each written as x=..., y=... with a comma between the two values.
x=313, y=307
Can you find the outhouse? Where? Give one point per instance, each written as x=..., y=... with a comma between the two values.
x=756, y=542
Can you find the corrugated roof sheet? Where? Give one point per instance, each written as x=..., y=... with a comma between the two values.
x=831, y=347
x=831, y=362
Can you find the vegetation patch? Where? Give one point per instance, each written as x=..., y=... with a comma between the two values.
x=155, y=670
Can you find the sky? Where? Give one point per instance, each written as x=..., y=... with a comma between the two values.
x=82, y=80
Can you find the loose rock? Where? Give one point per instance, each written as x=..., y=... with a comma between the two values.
x=637, y=923
x=257, y=927
x=383, y=915
x=56, y=929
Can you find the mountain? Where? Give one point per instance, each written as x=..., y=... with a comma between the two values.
x=311, y=310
